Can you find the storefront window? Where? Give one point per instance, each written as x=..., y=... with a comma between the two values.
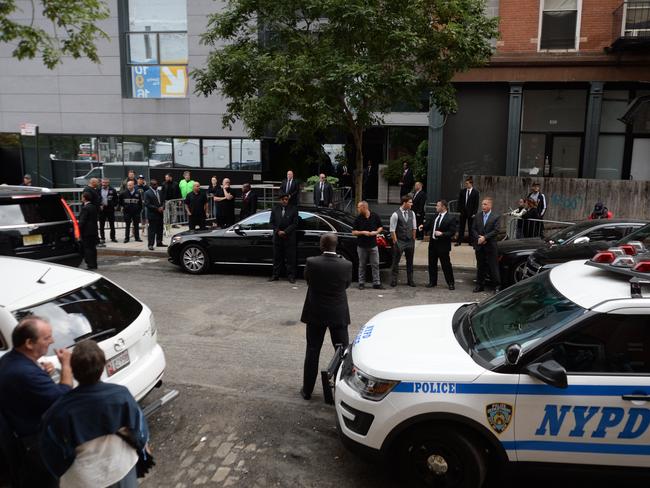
x=610, y=157
x=554, y=110
x=614, y=105
x=246, y=154
x=642, y=117
x=532, y=154
x=187, y=153
x=160, y=151
x=216, y=153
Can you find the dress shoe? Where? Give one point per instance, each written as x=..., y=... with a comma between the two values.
x=378, y=287
x=478, y=288
x=457, y=244
x=362, y=286
x=126, y=241
x=150, y=248
x=431, y=285
x=138, y=240
x=102, y=241
x=305, y=396
x=274, y=278
x=393, y=283
x=292, y=280
x=497, y=289
x=411, y=284
x=113, y=240
x=452, y=287
x=161, y=244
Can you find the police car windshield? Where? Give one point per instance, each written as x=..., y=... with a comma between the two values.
x=523, y=314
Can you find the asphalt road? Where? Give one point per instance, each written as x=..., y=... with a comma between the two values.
x=234, y=347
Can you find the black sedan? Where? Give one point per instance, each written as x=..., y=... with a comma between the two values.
x=573, y=240
x=249, y=242
x=546, y=258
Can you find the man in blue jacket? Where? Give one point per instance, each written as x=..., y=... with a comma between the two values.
x=28, y=391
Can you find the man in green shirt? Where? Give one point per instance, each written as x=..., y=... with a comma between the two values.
x=186, y=184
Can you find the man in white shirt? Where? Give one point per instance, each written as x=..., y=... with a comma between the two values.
x=402, y=231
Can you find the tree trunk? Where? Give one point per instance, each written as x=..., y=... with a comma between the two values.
x=358, y=181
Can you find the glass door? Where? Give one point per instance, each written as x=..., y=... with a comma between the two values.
x=550, y=155
x=565, y=156
x=640, y=168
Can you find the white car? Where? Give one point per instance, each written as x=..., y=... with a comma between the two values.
x=84, y=305
x=555, y=369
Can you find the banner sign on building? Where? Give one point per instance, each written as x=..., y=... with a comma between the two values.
x=159, y=81
x=27, y=129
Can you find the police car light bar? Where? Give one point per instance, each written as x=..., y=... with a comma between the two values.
x=604, y=257
x=642, y=267
x=624, y=262
x=637, y=285
x=638, y=245
x=628, y=249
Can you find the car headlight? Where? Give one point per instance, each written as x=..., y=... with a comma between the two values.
x=367, y=386
x=176, y=239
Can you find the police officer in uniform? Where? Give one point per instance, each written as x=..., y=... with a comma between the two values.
x=284, y=220
x=131, y=203
x=88, y=230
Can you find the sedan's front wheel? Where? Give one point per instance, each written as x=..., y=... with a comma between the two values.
x=194, y=259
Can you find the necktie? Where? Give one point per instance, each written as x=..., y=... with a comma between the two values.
x=282, y=212
x=288, y=186
x=436, y=224
x=485, y=217
x=467, y=195
x=404, y=214
x=321, y=190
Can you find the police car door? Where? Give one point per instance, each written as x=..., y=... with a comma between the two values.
x=603, y=415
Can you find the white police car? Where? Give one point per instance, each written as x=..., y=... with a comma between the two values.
x=555, y=369
x=84, y=305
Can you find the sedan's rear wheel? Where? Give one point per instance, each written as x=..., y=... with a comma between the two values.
x=519, y=271
x=194, y=259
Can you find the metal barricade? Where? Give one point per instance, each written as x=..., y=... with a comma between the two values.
x=522, y=228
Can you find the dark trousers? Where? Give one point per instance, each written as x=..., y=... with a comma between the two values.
x=315, y=337
x=128, y=218
x=461, y=227
x=225, y=219
x=33, y=472
x=486, y=261
x=419, y=220
x=408, y=249
x=106, y=216
x=196, y=221
x=284, y=254
x=436, y=254
x=89, y=250
x=155, y=231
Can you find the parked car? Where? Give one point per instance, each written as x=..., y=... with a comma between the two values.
x=83, y=305
x=548, y=257
x=37, y=223
x=514, y=254
x=249, y=242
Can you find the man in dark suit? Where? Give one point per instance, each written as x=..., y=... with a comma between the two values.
x=155, y=207
x=284, y=220
x=406, y=181
x=88, y=230
x=326, y=306
x=484, y=238
x=323, y=192
x=248, y=201
x=468, y=199
x=440, y=229
x=108, y=201
x=419, y=203
x=368, y=175
x=290, y=187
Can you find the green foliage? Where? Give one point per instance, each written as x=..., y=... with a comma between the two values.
x=312, y=180
x=395, y=168
x=420, y=163
x=73, y=31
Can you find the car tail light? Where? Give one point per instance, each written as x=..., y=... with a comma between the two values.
x=75, y=224
x=628, y=249
x=605, y=257
x=642, y=267
x=381, y=241
x=624, y=262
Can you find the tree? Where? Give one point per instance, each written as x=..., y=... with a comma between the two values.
x=73, y=30
x=298, y=66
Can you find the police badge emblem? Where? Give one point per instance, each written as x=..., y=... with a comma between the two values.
x=499, y=416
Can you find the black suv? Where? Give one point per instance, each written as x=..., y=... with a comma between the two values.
x=37, y=223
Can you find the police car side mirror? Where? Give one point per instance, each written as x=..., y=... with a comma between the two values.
x=550, y=372
x=581, y=240
x=513, y=353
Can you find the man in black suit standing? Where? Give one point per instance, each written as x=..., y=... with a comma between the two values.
x=109, y=200
x=368, y=174
x=326, y=306
x=406, y=181
x=248, y=201
x=154, y=207
x=323, y=192
x=419, y=203
x=440, y=229
x=284, y=220
x=468, y=199
x=88, y=230
x=290, y=187
x=484, y=238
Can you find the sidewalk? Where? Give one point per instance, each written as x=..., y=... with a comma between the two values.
x=462, y=257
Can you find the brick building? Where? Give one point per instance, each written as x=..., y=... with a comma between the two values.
x=548, y=102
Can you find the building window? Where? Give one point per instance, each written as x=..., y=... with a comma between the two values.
x=559, y=24
x=216, y=153
x=187, y=153
x=611, y=142
x=246, y=154
x=156, y=48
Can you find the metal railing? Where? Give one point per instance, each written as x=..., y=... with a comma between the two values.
x=632, y=20
x=522, y=228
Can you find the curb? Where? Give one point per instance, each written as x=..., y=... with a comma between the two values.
x=163, y=254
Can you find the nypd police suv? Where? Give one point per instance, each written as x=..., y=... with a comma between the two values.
x=555, y=369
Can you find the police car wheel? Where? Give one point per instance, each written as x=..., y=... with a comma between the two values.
x=194, y=259
x=435, y=456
